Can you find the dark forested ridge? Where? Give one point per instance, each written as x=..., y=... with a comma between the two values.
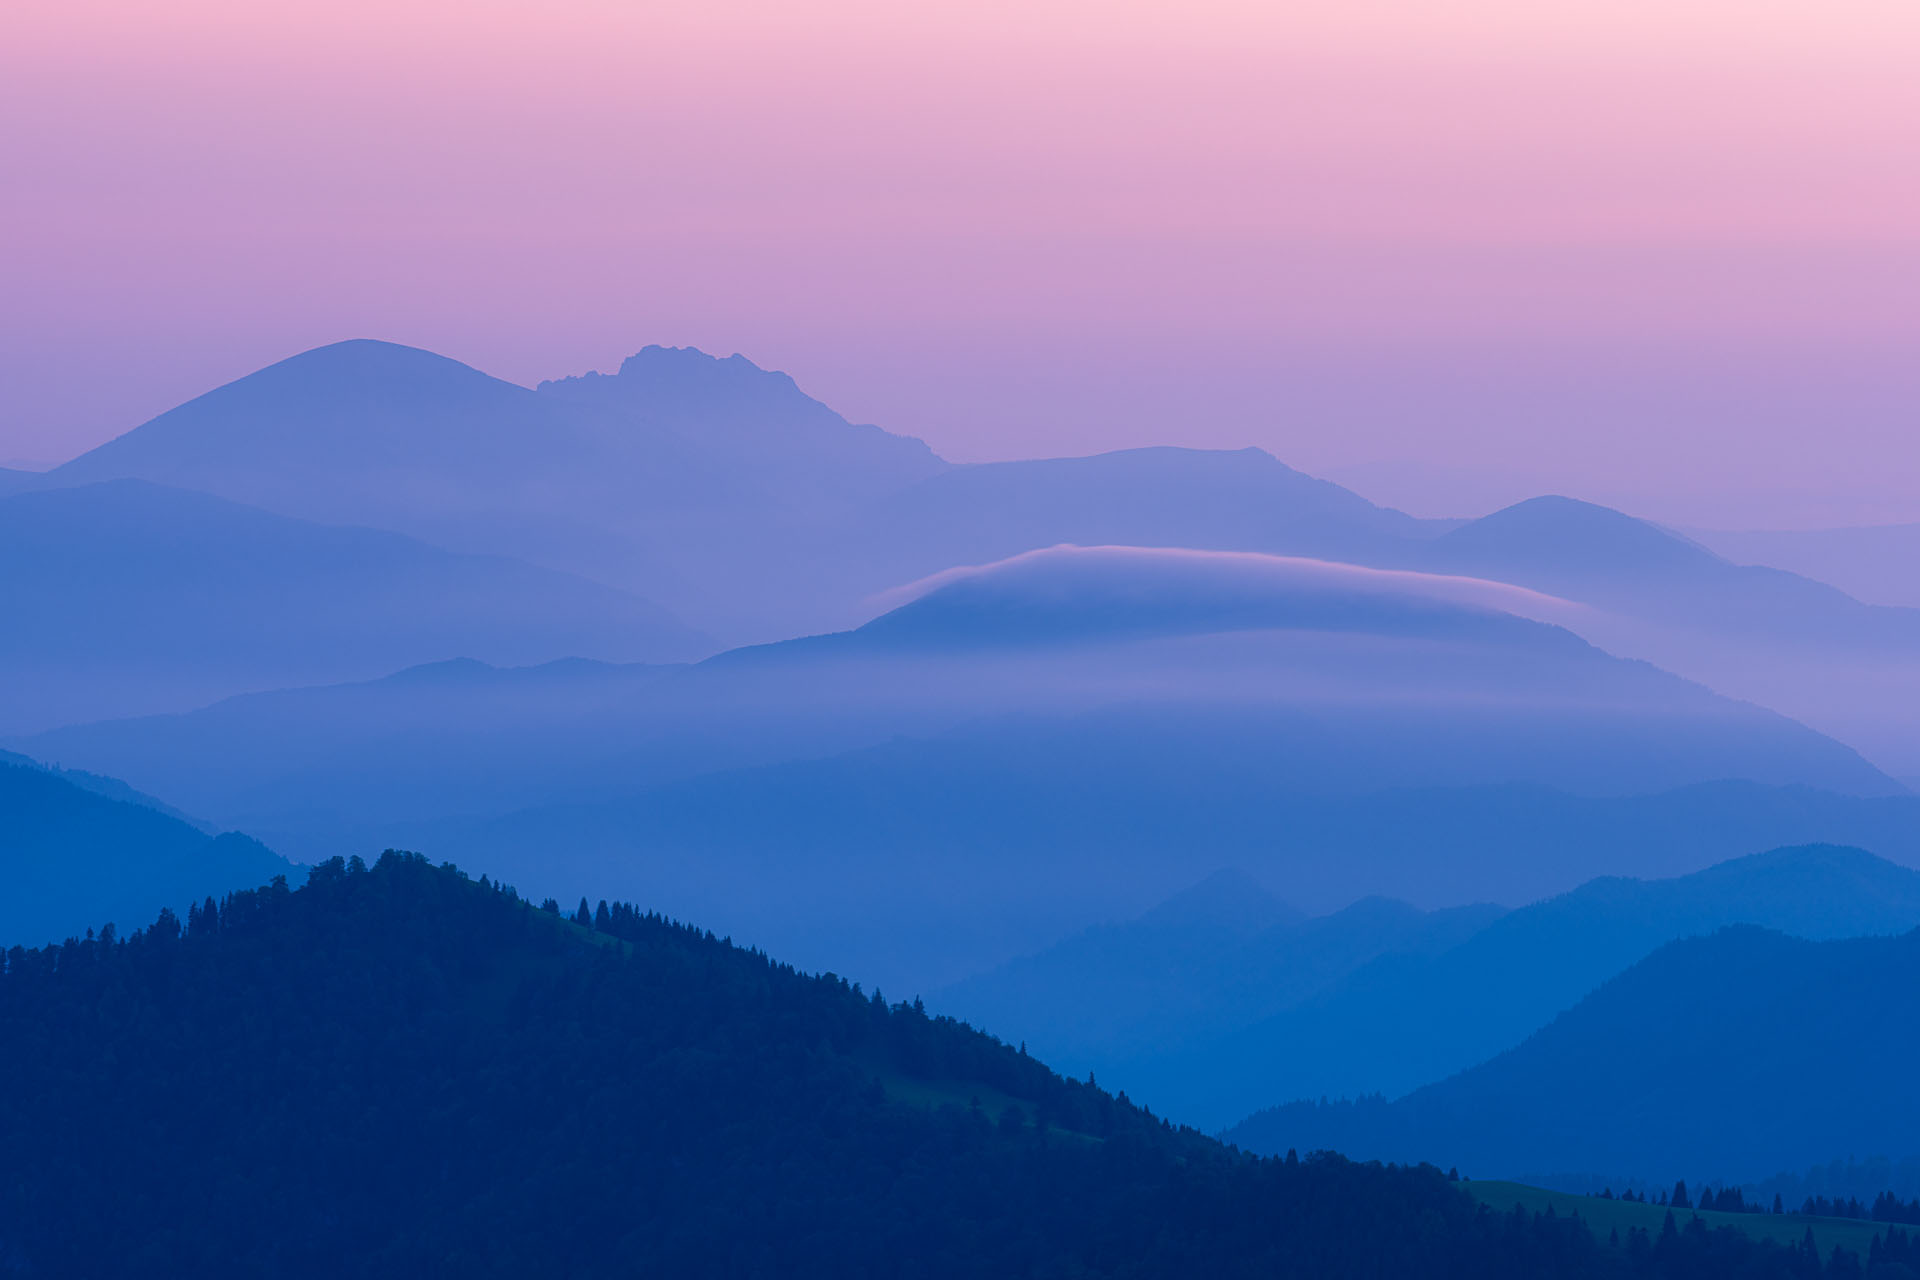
x=401, y=1071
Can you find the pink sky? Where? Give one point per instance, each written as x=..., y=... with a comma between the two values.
x=1666, y=256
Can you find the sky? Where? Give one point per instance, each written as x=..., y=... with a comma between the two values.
x=1663, y=256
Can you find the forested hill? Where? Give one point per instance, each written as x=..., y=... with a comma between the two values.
x=399, y=1071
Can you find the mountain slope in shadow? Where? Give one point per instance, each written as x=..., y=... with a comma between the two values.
x=1215, y=957
x=1405, y=1020
x=1734, y=1055
x=73, y=857
x=1800, y=646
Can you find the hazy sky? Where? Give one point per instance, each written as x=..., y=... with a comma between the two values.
x=1666, y=255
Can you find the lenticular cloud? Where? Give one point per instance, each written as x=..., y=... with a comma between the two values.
x=1226, y=582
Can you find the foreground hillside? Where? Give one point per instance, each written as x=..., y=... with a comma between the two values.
x=399, y=1071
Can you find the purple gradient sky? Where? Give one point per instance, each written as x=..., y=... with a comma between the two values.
x=1663, y=256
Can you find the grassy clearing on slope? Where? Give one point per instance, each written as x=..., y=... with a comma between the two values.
x=1604, y=1216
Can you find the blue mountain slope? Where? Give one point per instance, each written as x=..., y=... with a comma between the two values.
x=1404, y=1021
x=1879, y=564
x=1799, y=646
x=367, y=416
x=111, y=788
x=699, y=482
x=127, y=597
x=1292, y=675
x=72, y=858
x=1602, y=556
x=1734, y=1056
x=1073, y=735
x=1213, y=958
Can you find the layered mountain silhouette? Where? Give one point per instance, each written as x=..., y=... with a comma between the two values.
x=1352, y=656
x=1736, y=1055
x=111, y=788
x=724, y=493
x=1409, y=1018
x=1217, y=956
x=81, y=851
x=1748, y=631
x=711, y=485
x=1876, y=563
x=694, y=481
x=683, y=633
x=1017, y=726
x=128, y=597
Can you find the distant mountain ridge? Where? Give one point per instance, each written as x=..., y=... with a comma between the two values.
x=73, y=855
x=1219, y=955
x=111, y=788
x=716, y=487
x=1748, y=631
x=128, y=597
x=693, y=481
x=1065, y=632
x=1405, y=1020
x=1879, y=564
x=1734, y=1055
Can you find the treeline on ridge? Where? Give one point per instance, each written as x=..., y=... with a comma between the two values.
x=399, y=1070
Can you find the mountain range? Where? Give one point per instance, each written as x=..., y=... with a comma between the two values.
x=1736, y=1055
x=81, y=851
x=1876, y=563
x=995, y=728
x=128, y=597
x=693, y=482
x=725, y=495
x=1412, y=1016
x=1221, y=954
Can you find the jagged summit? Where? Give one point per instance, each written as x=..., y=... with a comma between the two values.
x=755, y=414
x=671, y=382
x=664, y=363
